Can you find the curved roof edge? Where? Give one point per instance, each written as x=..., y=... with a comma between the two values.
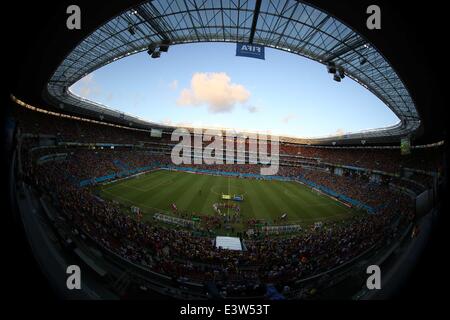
x=293, y=26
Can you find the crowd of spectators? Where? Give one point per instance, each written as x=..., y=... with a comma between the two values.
x=70, y=130
x=184, y=254
x=355, y=187
x=86, y=164
x=181, y=253
x=388, y=160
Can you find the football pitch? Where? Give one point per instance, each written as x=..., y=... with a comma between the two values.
x=195, y=194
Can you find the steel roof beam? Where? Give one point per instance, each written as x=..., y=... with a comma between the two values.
x=152, y=22
x=255, y=20
x=344, y=48
x=307, y=32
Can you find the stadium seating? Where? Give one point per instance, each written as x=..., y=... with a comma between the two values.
x=182, y=253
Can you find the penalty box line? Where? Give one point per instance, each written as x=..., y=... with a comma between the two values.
x=135, y=204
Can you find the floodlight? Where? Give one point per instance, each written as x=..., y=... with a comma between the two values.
x=164, y=47
x=331, y=67
x=151, y=49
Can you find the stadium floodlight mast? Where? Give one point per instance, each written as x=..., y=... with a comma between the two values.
x=212, y=154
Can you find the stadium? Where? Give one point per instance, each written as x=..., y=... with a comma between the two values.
x=153, y=210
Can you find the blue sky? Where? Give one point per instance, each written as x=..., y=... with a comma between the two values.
x=207, y=85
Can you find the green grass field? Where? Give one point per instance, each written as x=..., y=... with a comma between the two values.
x=155, y=192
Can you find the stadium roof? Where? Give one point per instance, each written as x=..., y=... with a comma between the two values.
x=401, y=41
x=287, y=25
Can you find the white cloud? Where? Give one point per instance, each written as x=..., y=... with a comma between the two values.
x=87, y=87
x=173, y=85
x=288, y=118
x=185, y=124
x=253, y=109
x=167, y=121
x=215, y=90
x=137, y=99
x=109, y=97
x=180, y=124
x=88, y=78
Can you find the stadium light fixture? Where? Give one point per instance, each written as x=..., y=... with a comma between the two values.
x=341, y=73
x=151, y=48
x=331, y=67
x=337, y=78
x=164, y=47
x=156, y=54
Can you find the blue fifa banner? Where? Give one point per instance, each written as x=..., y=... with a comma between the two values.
x=250, y=50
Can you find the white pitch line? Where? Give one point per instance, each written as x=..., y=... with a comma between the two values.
x=133, y=203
